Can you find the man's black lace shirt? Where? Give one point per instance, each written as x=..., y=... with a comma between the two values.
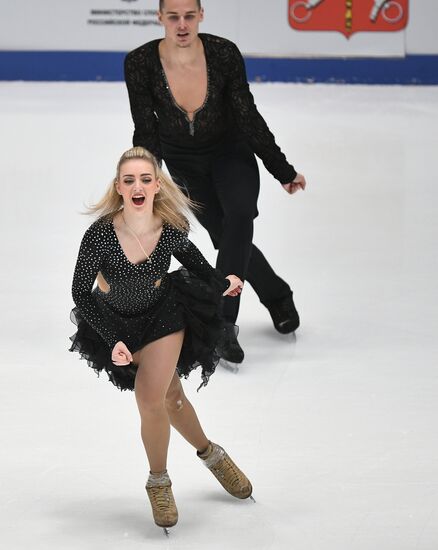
x=228, y=110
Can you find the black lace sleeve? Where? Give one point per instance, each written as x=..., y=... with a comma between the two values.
x=88, y=264
x=192, y=259
x=250, y=121
x=141, y=103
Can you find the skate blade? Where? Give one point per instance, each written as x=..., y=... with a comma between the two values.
x=253, y=499
x=231, y=367
x=166, y=531
x=292, y=337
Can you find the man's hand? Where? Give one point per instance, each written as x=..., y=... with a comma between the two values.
x=298, y=183
x=235, y=287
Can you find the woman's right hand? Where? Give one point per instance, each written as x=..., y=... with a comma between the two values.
x=235, y=287
x=121, y=356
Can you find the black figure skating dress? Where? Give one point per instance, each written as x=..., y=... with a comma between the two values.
x=145, y=302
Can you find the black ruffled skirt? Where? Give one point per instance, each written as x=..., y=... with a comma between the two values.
x=187, y=302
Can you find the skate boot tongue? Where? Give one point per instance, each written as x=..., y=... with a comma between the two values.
x=158, y=480
x=212, y=455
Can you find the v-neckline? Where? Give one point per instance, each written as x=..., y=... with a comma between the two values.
x=169, y=89
x=146, y=260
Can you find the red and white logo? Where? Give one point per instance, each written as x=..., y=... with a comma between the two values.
x=348, y=16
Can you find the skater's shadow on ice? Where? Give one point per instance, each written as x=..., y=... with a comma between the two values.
x=118, y=517
x=224, y=498
x=263, y=343
x=269, y=334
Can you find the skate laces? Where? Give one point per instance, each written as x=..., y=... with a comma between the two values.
x=161, y=498
x=221, y=464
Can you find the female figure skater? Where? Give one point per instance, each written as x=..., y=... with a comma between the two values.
x=150, y=327
x=191, y=106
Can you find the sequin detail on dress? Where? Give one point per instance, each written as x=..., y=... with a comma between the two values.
x=136, y=310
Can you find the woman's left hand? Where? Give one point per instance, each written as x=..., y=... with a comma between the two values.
x=121, y=356
x=235, y=287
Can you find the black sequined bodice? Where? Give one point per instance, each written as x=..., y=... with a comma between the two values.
x=133, y=288
x=229, y=109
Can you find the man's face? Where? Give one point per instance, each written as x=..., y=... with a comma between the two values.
x=180, y=19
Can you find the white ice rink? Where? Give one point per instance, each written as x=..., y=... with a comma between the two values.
x=337, y=429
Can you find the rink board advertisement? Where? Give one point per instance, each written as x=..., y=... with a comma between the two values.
x=348, y=16
x=267, y=32
x=262, y=28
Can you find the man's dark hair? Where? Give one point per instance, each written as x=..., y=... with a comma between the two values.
x=162, y=4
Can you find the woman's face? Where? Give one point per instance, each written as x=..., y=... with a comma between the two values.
x=137, y=184
x=180, y=19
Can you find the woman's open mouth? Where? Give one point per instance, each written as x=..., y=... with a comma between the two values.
x=138, y=200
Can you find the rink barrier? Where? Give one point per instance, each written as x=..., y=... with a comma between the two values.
x=108, y=66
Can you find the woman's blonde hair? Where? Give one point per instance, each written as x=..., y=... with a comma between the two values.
x=170, y=203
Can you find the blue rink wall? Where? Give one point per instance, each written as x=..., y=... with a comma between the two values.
x=108, y=66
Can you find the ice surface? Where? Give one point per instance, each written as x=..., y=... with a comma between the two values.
x=337, y=429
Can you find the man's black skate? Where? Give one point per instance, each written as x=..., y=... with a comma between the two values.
x=284, y=315
x=228, y=347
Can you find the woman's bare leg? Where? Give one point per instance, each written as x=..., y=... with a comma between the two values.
x=183, y=417
x=161, y=401
x=156, y=367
